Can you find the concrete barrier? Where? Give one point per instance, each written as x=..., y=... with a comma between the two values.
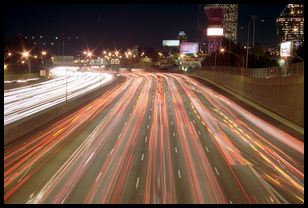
x=24, y=126
x=282, y=95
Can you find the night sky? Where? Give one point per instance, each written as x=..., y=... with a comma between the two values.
x=121, y=26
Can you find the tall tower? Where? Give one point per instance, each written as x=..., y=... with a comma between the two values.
x=290, y=24
x=182, y=37
x=230, y=21
x=215, y=15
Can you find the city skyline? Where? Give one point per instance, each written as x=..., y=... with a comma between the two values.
x=129, y=21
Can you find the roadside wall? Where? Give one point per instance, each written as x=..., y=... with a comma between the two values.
x=282, y=95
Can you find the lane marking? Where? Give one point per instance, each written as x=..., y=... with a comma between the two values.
x=142, y=156
x=171, y=122
x=148, y=126
x=111, y=152
x=194, y=121
x=199, y=132
x=150, y=109
x=149, y=116
x=207, y=149
x=179, y=174
x=55, y=134
x=125, y=123
x=173, y=134
x=230, y=202
x=176, y=150
x=137, y=183
x=120, y=135
x=146, y=138
x=216, y=171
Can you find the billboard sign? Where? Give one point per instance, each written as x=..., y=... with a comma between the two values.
x=286, y=49
x=189, y=48
x=215, y=31
x=171, y=43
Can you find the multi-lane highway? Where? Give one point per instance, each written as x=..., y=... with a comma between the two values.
x=69, y=83
x=156, y=138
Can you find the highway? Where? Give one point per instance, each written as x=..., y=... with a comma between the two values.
x=156, y=138
x=25, y=101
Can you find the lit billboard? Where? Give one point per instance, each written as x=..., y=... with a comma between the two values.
x=171, y=43
x=286, y=49
x=215, y=31
x=189, y=48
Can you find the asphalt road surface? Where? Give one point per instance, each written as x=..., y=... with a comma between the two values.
x=156, y=138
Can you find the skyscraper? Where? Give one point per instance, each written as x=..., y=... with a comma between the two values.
x=215, y=15
x=230, y=21
x=290, y=24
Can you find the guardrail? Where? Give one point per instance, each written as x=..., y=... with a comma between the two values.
x=295, y=69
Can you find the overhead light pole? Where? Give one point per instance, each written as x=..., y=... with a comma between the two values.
x=247, y=45
x=26, y=55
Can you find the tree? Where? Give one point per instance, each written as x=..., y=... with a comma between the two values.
x=299, y=54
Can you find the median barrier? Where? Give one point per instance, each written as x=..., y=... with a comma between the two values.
x=17, y=129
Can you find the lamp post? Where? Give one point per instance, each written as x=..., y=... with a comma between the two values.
x=247, y=45
x=5, y=71
x=26, y=55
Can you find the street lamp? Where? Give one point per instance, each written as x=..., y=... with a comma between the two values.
x=5, y=70
x=26, y=55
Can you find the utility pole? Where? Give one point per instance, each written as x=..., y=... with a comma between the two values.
x=247, y=45
x=253, y=30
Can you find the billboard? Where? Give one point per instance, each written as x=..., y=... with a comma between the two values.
x=171, y=43
x=286, y=49
x=215, y=31
x=189, y=48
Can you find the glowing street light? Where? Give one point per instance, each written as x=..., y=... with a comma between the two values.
x=44, y=53
x=222, y=50
x=5, y=66
x=104, y=52
x=9, y=54
x=35, y=56
x=26, y=54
